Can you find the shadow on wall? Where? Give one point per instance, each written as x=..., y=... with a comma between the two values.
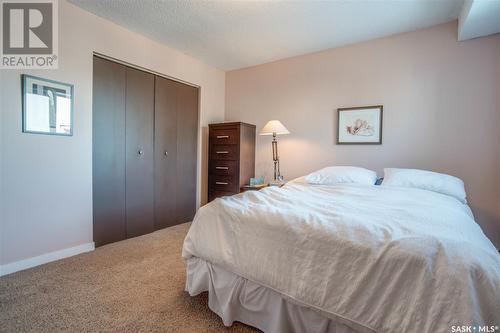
x=492, y=230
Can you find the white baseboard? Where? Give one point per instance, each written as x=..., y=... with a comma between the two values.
x=45, y=258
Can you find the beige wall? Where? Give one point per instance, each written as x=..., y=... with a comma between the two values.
x=441, y=109
x=46, y=181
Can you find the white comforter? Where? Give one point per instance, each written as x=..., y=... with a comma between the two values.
x=379, y=259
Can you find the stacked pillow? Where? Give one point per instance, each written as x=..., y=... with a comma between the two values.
x=426, y=180
x=413, y=178
x=342, y=175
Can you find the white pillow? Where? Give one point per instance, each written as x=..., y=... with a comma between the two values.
x=427, y=180
x=341, y=175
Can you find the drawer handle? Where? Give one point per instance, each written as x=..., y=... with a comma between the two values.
x=221, y=168
x=221, y=183
x=222, y=152
x=222, y=136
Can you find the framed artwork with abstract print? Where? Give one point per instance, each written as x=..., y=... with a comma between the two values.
x=47, y=106
x=360, y=125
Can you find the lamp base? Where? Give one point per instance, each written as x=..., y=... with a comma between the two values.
x=277, y=183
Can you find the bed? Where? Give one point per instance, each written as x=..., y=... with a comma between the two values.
x=343, y=258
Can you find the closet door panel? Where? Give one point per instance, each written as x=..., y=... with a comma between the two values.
x=139, y=152
x=165, y=152
x=108, y=152
x=187, y=140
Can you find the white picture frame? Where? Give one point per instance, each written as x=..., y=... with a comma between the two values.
x=47, y=106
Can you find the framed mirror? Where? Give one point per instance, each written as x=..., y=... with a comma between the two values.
x=47, y=106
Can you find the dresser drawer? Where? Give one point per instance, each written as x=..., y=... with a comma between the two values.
x=224, y=135
x=223, y=152
x=217, y=194
x=224, y=184
x=223, y=168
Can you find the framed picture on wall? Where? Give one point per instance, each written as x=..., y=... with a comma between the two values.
x=360, y=125
x=47, y=106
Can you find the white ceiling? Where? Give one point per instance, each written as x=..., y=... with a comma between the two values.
x=237, y=34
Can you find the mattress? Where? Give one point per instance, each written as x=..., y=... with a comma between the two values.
x=376, y=259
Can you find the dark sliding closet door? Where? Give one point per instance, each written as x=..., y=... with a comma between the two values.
x=108, y=151
x=176, y=133
x=144, y=152
x=139, y=180
x=187, y=125
x=165, y=152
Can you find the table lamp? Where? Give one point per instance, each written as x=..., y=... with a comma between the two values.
x=275, y=127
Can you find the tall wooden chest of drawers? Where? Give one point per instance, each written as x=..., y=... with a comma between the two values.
x=231, y=161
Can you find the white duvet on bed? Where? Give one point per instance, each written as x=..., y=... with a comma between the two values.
x=381, y=259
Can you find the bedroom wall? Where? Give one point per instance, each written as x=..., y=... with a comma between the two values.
x=46, y=181
x=441, y=109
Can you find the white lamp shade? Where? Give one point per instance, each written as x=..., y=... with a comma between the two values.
x=272, y=127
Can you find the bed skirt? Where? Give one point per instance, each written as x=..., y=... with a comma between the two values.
x=234, y=298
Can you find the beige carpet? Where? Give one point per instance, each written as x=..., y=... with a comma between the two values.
x=132, y=286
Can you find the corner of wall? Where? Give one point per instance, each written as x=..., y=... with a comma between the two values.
x=226, y=94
